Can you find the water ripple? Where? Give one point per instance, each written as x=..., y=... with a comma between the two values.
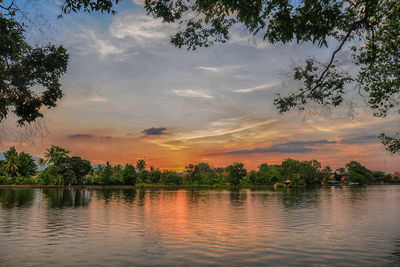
x=333, y=226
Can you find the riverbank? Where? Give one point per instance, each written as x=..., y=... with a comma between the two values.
x=94, y=187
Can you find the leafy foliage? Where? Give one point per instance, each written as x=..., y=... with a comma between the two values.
x=141, y=165
x=23, y=68
x=358, y=173
x=89, y=6
x=54, y=153
x=72, y=169
x=30, y=76
x=236, y=173
x=66, y=170
x=171, y=178
x=26, y=165
x=392, y=144
x=21, y=164
x=129, y=175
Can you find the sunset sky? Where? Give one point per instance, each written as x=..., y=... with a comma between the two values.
x=130, y=94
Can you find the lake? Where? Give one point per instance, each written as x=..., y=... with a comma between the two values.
x=209, y=227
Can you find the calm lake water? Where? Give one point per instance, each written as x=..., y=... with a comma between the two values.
x=325, y=226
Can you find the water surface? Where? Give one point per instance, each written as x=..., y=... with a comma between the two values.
x=325, y=226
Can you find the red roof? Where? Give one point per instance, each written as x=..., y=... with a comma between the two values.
x=397, y=174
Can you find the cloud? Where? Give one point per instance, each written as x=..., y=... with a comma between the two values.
x=140, y=27
x=126, y=33
x=217, y=69
x=290, y=147
x=192, y=93
x=257, y=88
x=97, y=42
x=154, y=131
x=215, y=132
x=138, y=2
x=79, y=136
x=361, y=140
x=97, y=98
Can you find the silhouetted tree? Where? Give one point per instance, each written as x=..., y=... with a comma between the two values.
x=236, y=173
x=129, y=175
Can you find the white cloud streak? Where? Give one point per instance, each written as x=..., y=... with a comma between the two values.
x=217, y=69
x=192, y=93
x=97, y=98
x=139, y=27
x=222, y=131
x=257, y=88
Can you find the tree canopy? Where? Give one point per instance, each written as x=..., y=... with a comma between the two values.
x=19, y=163
x=29, y=76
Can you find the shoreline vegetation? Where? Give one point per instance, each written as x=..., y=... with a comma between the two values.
x=150, y=186
x=60, y=170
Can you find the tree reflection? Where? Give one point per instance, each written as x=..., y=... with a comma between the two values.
x=63, y=198
x=129, y=195
x=105, y=194
x=237, y=197
x=357, y=194
x=396, y=252
x=294, y=197
x=142, y=195
x=9, y=198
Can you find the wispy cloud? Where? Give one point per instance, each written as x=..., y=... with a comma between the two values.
x=80, y=136
x=257, y=88
x=361, y=140
x=96, y=42
x=139, y=26
x=221, y=131
x=126, y=33
x=154, y=131
x=217, y=69
x=192, y=93
x=138, y=2
x=290, y=147
x=97, y=98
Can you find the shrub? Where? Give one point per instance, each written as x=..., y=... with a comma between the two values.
x=4, y=180
x=279, y=186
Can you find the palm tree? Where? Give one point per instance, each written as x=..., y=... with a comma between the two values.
x=54, y=153
x=11, y=165
x=41, y=162
x=141, y=165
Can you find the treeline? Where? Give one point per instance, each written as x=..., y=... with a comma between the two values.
x=59, y=168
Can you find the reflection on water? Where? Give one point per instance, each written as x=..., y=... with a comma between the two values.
x=63, y=198
x=12, y=198
x=341, y=226
x=396, y=252
x=237, y=197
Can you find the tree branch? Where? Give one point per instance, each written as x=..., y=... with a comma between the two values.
x=322, y=76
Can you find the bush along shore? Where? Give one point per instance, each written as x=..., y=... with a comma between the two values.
x=59, y=169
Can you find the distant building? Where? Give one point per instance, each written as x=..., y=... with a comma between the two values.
x=182, y=173
x=397, y=174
